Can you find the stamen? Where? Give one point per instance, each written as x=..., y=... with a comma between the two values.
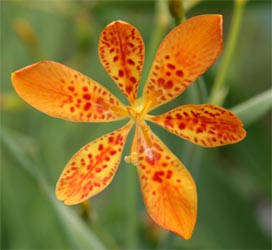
x=146, y=129
x=145, y=109
x=131, y=112
x=119, y=110
x=132, y=158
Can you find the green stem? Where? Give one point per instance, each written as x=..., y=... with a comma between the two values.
x=191, y=4
x=197, y=93
x=161, y=24
x=77, y=233
x=132, y=211
x=219, y=89
x=252, y=109
x=162, y=21
x=193, y=153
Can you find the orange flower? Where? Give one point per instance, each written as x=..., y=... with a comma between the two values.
x=168, y=189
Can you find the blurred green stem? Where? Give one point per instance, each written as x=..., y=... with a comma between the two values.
x=177, y=10
x=219, y=90
x=76, y=231
x=192, y=153
x=252, y=109
x=162, y=21
x=132, y=211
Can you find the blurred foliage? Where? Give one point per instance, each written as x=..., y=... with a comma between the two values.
x=234, y=182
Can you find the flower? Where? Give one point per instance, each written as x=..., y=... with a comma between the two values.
x=168, y=189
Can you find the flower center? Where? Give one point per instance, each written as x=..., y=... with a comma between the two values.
x=137, y=111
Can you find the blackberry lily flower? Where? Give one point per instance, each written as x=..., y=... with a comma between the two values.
x=167, y=187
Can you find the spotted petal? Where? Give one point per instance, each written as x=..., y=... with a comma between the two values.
x=168, y=189
x=62, y=92
x=205, y=125
x=184, y=55
x=121, y=51
x=92, y=168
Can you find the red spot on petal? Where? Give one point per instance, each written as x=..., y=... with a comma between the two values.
x=161, y=81
x=128, y=89
x=85, y=89
x=87, y=97
x=72, y=89
x=169, y=84
x=119, y=139
x=133, y=79
x=182, y=126
x=120, y=73
x=115, y=59
x=87, y=106
x=100, y=147
x=199, y=130
x=150, y=160
x=158, y=176
x=130, y=61
x=179, y=73
x=113, y=152
x=178, y=116
x=171, y=66
x=169, y=174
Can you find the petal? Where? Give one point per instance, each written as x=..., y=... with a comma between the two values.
x=205, y=125
x=184, y=55
x=62, y=92
x=121, y=51
x=92, y=168
x=168, y=189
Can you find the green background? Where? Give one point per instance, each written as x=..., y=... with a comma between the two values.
x=233, y=182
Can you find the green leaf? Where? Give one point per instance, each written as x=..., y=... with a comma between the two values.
x=82, y=236
x=79, y=235
x=251, y=110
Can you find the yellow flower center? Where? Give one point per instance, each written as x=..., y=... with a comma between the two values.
x=137, y=113
x=138, y=110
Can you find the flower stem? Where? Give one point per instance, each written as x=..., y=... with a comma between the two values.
x=162, y=21
x=252, y=109
x=219, y=91
x=132, y=211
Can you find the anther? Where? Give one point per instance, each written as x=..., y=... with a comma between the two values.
x=132, y=158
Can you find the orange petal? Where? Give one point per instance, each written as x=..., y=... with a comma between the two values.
x=62, y=92
x=92, y=168
x=121, y=51
x=168, y=189
x=205, y=125
x=184, y=55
